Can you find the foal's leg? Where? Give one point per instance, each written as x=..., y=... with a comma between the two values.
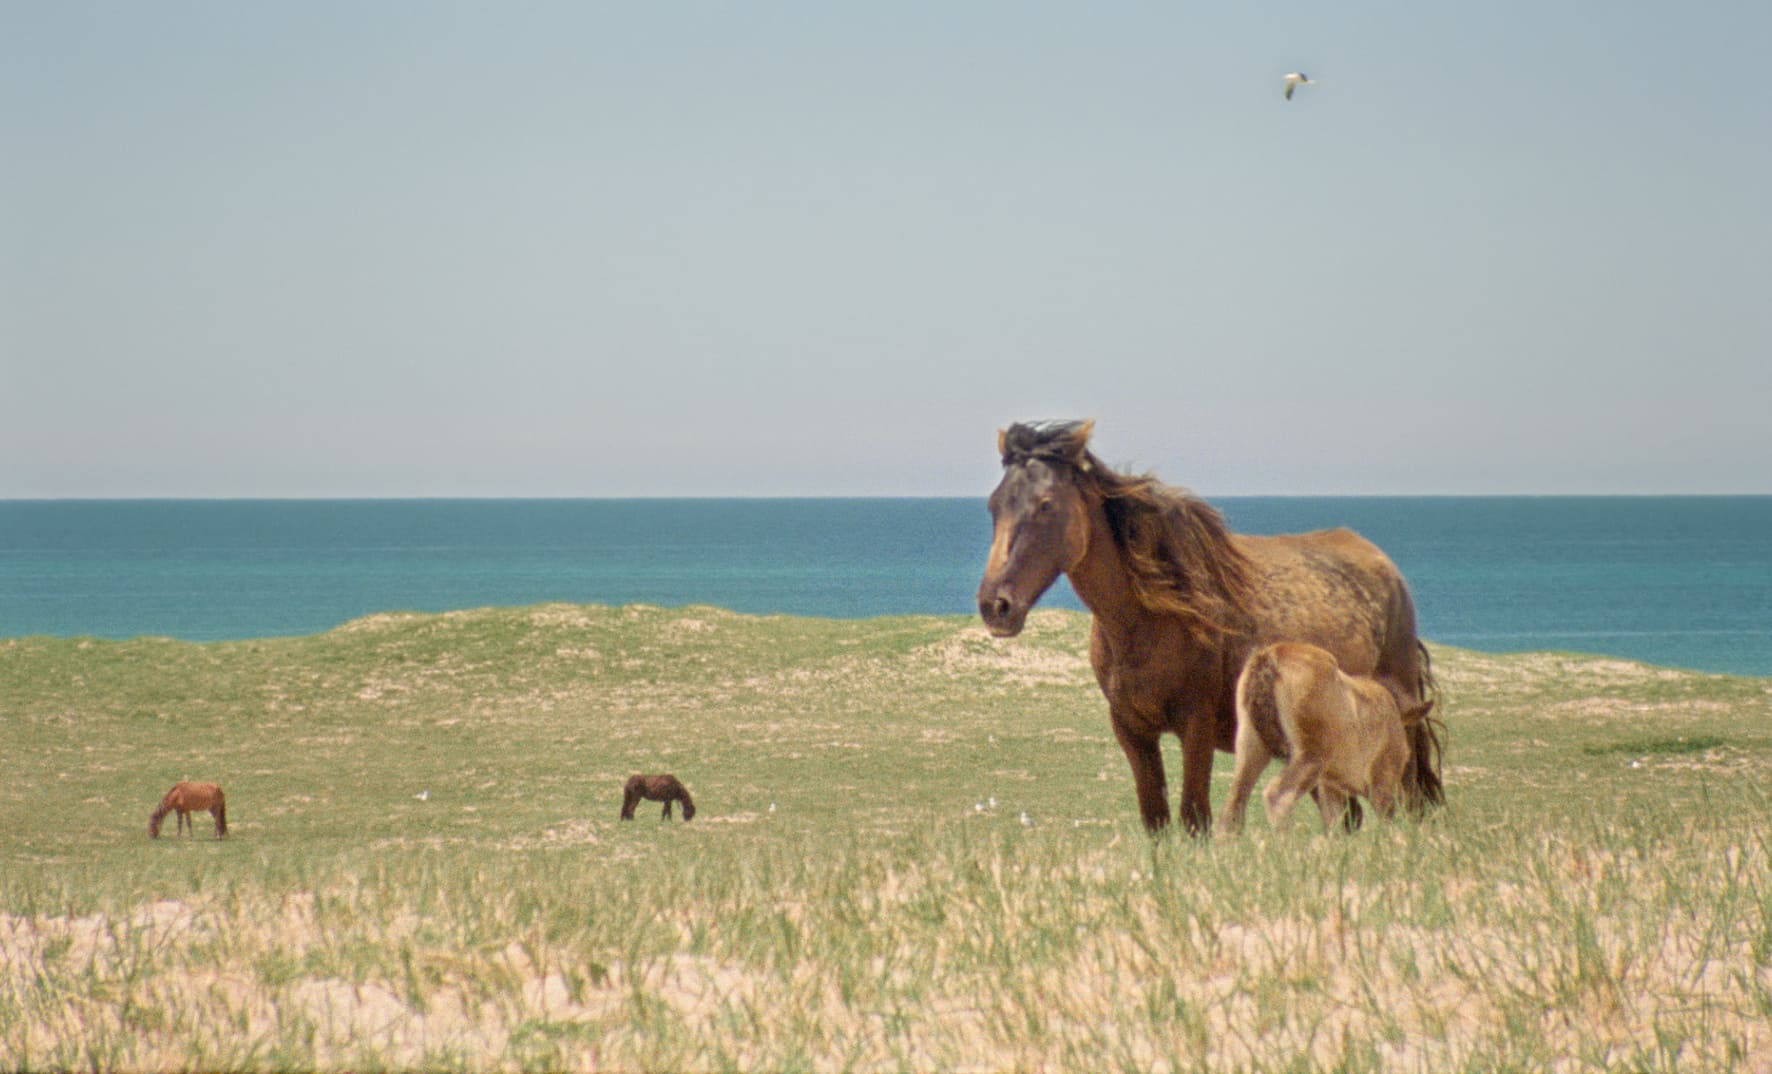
x=1288, y=787
x=1384, y=794
x=1252, y=760
x=1332, y=804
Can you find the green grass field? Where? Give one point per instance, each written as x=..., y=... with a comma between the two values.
x=1597, y=895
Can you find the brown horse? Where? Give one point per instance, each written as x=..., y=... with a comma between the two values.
x=187, y=798
x=660, y=788
x=1179, y=602
x=1339, y=734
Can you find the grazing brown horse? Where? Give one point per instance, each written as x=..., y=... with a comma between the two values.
x=1339, y=734
x=187, y=798
x=1179, y=602
x=660, y=788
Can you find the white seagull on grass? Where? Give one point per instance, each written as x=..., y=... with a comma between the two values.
x=1296, y=79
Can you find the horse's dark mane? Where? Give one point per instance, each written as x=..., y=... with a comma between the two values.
x=1054, y=441
x=1178, y=549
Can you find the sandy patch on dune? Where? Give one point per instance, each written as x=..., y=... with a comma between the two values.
x=561, y=615
x=381, y=621
x=973, y=651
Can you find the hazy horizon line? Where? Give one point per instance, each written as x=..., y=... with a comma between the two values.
x=768, y=497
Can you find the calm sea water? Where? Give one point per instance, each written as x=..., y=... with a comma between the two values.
x=1682, y=581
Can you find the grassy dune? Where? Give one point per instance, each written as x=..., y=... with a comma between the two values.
x=1597, y=896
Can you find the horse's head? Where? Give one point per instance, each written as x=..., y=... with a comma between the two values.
x=1040, y=516
x=154, y=825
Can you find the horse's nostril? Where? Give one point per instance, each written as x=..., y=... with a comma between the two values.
x=1000, y=608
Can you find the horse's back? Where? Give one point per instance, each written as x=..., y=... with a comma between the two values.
x=199, y=795
x=655, y=788
x=1315, y=567
x=1336, y=590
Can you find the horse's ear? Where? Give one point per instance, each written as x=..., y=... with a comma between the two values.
x=1077, y=442
x=1414, y=714
x=1003, y=443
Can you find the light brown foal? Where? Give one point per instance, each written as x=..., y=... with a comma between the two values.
x=1339, y=734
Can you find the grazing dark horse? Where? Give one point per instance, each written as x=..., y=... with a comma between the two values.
x=1179, y=602
x=1339, y=734
x=661, y=788
x=187, y=798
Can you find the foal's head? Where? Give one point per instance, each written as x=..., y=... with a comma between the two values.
x=1040, y=517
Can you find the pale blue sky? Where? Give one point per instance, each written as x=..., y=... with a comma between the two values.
x=586, y=249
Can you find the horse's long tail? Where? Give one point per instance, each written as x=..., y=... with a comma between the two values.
x=1427, y=743
x=221, y=816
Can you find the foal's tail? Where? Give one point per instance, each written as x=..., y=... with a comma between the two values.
x=1256, y=704
x=1426, y=744
x=221, y=816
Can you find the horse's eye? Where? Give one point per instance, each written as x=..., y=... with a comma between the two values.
x=1044, y=507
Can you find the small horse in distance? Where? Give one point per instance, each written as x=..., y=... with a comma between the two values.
x=1178, y=602
x=186, y=798
x=1340, y=735
x=664, y=788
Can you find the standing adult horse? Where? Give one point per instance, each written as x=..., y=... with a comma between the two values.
x=186, y=798
x=1179, y=602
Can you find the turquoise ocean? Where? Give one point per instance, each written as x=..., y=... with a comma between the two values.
x=1679, y=581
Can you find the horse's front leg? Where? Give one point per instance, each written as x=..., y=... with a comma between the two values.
x=1199, y=737
x=667, y=810
x=1144, y=753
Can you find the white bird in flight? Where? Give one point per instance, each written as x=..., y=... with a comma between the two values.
x=1296, y=79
